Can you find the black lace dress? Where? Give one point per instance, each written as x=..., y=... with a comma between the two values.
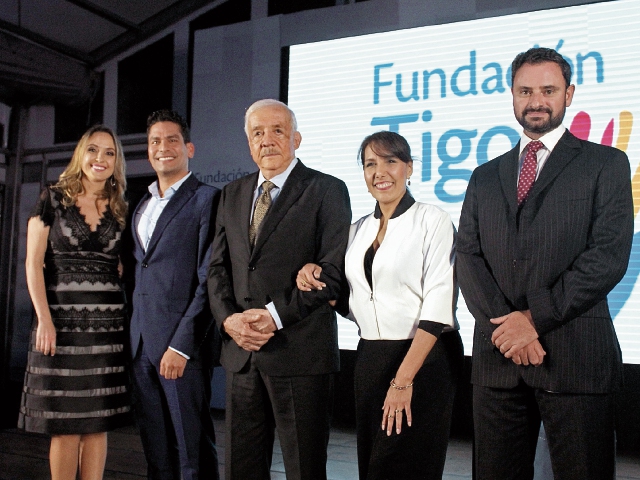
x=84, y=387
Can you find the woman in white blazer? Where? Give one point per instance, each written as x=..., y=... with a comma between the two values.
x=402, y=293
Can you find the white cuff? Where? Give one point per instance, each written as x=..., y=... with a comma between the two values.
x=274, y=313
x=180, y=353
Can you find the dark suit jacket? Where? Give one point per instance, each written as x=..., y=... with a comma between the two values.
x=559, y=257
x=308, y=222
x=170, y=296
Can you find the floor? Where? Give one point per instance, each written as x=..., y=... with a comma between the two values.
x=23, y=456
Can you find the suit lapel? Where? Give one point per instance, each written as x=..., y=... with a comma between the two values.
x=508, y=171
x=135, y=221
x=293, y=188
x=245, y=206
x=179, y=199
x=564, y=152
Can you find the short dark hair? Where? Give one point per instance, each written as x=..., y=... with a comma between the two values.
x=170, y=116
x=537, y=55
x=386, y=144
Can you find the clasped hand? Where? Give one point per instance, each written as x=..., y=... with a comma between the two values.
x=517, y=339
x=250, y=329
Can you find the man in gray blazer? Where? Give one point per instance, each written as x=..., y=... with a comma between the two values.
x=545, y=234
x=171, y=325
x=279, y=345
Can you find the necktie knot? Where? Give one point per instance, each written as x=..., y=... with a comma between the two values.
x=535, y=146
x=528, y=170
x=263, y=203
x=267, y=186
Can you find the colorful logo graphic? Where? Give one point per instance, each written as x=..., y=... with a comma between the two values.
x=581, y=128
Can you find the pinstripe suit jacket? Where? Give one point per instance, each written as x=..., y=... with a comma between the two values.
x=559, y=256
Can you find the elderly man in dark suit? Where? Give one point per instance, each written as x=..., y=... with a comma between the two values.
x=545, y=234
x=280, y=345
x=171, y=325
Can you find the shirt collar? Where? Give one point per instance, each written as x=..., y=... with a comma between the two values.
x=405, y=204
x=279, y=179
x=168, y=193
x=549, y=140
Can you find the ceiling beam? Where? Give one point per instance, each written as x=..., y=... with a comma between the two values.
x=105, y=14
x=38, y=39
x=31, y=73
x=155, y=24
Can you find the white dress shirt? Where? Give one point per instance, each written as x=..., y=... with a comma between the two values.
x=549, y=140
x=149, y=213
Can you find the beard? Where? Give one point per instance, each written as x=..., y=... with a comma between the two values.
x=539, y=127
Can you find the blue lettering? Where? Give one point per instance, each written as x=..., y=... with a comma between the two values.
x=426, y=156
x=498, y=87
x=496, y=78
x=414, y=88
x=426, y=148
x=426, y=75
x=377, y=83
x=472, y=77
x=483, y=144
x=446, y=172
x=599, y=67
x=394, y=121
x=569, y=61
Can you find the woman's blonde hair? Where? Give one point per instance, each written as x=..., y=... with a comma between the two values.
x=70, y=181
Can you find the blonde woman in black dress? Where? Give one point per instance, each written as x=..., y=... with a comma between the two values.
x=76, y=385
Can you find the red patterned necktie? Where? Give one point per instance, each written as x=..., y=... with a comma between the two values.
x=528, y=170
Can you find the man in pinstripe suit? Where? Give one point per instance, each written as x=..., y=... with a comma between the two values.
x=545, y=234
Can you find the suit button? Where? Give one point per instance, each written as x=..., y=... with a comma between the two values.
x=145, y=265
x=251, y=268
x=247, y=299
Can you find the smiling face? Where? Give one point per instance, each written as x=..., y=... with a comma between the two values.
x=99, y=158
x=168, y=153
x=540, y=97
x=385, y=176
x=272, y=141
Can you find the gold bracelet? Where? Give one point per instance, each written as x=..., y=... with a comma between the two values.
x=398, y=387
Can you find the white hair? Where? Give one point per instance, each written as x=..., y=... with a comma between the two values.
x=269, y=102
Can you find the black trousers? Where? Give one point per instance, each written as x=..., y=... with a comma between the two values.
x=419, y=452
x=299, y=407
x=579, y=429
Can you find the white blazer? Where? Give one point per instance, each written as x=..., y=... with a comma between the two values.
x=412, y=273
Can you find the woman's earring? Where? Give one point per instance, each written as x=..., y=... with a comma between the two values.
x=409, y=181
x=113, y=181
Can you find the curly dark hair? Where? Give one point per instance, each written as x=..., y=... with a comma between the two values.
x=173, y=117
